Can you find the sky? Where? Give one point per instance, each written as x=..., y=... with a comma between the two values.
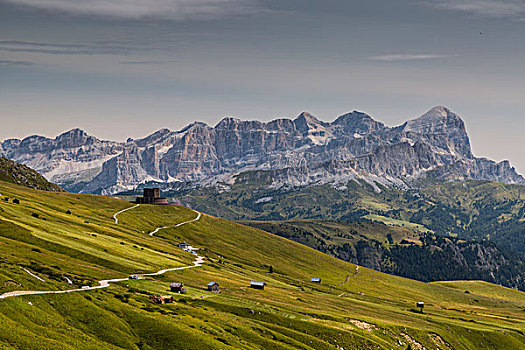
x=126, y=68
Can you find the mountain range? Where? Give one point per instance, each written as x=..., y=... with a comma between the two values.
x=299, y=152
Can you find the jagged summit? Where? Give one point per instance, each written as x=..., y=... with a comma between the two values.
x=358, y=122
x=308, y=124
x=309, y=118
x=72, y=132
x=300, y=152
x=227, y=121
x=438, y=119
x=195, y=125
x=75, y=138
x=437, y=112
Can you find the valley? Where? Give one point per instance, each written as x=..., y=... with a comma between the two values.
x=470, y=210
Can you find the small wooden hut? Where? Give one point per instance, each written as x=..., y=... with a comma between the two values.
x=257, y=285
x=177, y=287
x=213, y=287
x=420, y=305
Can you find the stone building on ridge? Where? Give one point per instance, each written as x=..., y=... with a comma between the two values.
x=152, y=196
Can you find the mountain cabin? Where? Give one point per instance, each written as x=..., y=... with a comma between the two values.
x=213, y=287
x=257, y=285
x=177, y=287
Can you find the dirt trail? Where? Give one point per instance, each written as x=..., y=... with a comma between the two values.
x=182, y=223
x=199, y=260
x=123, y=210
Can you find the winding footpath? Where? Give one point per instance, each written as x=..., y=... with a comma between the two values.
x=182, y=223
x=123, y=210
x=199, y=260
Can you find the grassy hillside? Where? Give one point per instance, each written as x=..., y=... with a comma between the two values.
x=22, y=175
x=403, y=251
x=353, y=307
x=479, y=210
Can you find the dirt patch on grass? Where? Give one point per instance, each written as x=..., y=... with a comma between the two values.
x=413, y=342
x=439, y=341
x=363, y=325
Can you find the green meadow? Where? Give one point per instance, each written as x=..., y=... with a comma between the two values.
x=71, y=240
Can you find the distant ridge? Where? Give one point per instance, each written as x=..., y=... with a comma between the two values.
x=300, y=152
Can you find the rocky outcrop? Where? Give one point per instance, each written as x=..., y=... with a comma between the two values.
x=69, y=159
x=22, y=175
x=301, y=151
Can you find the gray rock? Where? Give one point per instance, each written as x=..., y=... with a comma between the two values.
x=299, y=152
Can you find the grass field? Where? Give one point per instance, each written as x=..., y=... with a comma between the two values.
x=395, y=222
x=353, y=307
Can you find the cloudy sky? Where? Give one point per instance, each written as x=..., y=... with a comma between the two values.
x=125, y=68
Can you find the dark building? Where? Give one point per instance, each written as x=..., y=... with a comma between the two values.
x=213, y=287
x=177, y=287
x=152, y=192
x=152, y=196
x=257, y=284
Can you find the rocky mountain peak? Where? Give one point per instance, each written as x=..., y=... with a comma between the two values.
x=445, y=129
x=304, y=150
x=358, y=122
x=75, y=132
x=437, y=112
x=157, y=136
x=227, y=122
x=74, y=138
x=306, y=122
x=308, y=118
x=195, y=126
x=437, y=120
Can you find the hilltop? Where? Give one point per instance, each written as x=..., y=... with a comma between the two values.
x=22, y=175
x=74, y=241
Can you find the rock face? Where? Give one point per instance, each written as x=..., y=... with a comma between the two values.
x=71, y=159
x=302, y=151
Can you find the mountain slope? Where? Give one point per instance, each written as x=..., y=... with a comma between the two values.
x=354, y=308
x=471, y=210
x=302, y=151
x=25, y=176
x=404, y=252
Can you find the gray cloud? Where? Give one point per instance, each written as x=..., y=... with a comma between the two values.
x=66, y=49
x=147, y=9
x=146, y=62
x=409, y=57
x=10, y=63
x=488, y=8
